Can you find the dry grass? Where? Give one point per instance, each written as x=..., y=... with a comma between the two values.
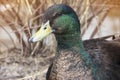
x=23, y=17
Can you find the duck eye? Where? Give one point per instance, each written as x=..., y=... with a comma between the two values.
x=58, y=14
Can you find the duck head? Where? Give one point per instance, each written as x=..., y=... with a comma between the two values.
x=61, y=20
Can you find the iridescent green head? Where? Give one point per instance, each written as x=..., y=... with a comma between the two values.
x=61, y=20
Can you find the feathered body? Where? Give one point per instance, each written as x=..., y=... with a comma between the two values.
x=69, y=65
x=75, y=59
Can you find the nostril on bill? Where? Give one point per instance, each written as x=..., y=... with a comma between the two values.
x=31, y=40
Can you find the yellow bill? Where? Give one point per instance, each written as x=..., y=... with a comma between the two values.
x=44, y=31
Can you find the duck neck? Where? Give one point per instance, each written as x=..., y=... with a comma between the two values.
x=74, y=42
x=68, y=41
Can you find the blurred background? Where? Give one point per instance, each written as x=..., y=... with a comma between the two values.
x=19, y=19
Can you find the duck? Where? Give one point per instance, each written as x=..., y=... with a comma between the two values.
x=75, y=59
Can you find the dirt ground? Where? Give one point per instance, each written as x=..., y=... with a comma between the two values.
x=14, y=66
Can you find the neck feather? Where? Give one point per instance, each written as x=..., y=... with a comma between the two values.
x=75, y=42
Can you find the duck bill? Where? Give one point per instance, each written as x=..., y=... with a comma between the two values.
x=44, y=31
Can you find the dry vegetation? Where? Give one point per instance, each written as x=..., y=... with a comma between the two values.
x=20, y=18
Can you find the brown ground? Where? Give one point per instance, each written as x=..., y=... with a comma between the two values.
x=14, y=66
